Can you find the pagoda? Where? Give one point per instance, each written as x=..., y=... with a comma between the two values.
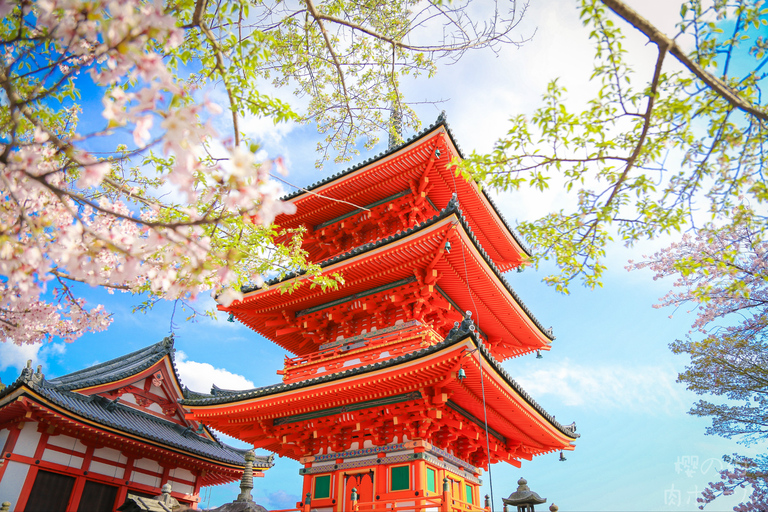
x=394, y=396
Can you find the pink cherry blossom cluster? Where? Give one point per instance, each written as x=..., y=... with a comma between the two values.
x=722, y=273
x=65, y=219
x=718, y=271
x=746, y=474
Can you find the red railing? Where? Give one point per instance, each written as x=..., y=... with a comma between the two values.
x=395, y=343
x=443, y=503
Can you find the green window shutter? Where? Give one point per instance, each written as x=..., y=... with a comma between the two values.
x=322, y=486
x=431, y=480
x=401, y=478
x=468, y=490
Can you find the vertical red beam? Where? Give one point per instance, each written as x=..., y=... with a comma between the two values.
x=10, y=444
x=77, y=490
x=32, y=473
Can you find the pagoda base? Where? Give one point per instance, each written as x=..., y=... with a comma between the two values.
x=410, y=475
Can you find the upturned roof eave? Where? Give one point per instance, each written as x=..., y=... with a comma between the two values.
x=451, y=209
x=203, y=401
x=46, y=400
x=441, y=122
x=116, y=369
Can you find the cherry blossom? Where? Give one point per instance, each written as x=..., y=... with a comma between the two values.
x=68, y=218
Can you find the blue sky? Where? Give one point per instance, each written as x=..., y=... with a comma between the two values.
x=610, y=369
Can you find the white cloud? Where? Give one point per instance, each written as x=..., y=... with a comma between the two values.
x=200, y=376
x=602, y=387
x=16, y=356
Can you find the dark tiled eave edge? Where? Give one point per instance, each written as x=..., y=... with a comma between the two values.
x=77, y=404
x=200, y=399
x=116, y=369
x=451, y=208
x=441, y=121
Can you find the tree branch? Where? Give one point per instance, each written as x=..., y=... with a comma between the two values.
x=663, y=41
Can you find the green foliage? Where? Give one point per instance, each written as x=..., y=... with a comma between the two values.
x=648, y=155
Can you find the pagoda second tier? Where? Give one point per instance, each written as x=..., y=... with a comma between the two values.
x=434, y=395
x=430, y=274
x=394, y=192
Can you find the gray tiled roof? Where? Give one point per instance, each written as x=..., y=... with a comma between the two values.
x=116, y=369
x=441, y=121
x=121, y=417
x=455, y=336
x=451, y=208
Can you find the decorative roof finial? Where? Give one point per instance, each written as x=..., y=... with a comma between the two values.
x=396, y=127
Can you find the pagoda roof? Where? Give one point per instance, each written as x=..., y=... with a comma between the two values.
x=460, y=339
x=60, y=395
x=536, y=330
x=379, y=180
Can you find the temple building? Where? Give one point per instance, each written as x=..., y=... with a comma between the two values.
x=83, y=441
x=394, y=396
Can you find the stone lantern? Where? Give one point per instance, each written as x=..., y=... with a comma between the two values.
x=523, y=498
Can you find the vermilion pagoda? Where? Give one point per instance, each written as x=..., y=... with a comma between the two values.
x=394, y=390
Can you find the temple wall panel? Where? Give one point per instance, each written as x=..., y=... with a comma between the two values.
x=13, y=480
x=106, y=469
x=181, y=487
x=183, y=474
x=143, y=478
x=64, y=459
x=29, y=437
x=109, y=454
x=68, y=442
x=3, y=437
x=149, y=465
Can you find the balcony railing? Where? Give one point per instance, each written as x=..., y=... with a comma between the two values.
x=359, y=351
x=443, y=503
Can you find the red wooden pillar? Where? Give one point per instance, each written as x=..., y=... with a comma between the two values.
x=447, y=504
x=32, y=473
x=77, y=490
x=419, y=469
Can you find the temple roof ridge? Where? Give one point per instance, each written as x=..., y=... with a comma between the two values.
x=117, y=368
x=454, y=337
x=451, y=208
x=440, y=121
x=127, y=419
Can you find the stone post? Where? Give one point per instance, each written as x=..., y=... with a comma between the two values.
x=5, y=507
x=246, y=483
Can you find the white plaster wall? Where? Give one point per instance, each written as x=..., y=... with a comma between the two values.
x=68, y=442
x=12, y=482
x=28, y=439
x=149, y=465
x=180, y=487
x=183, y=474
x=105, y=469
x=141, y=478
x=155, y=408
x=128, y=397
x=4, y=433
x=71, y=461
x=108, y=453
